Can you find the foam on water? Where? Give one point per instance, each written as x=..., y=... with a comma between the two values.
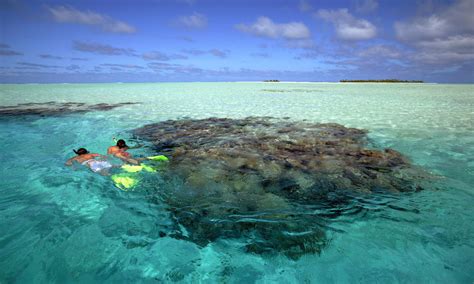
x=63, y=225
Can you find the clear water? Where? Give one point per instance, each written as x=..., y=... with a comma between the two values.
x=59, y=225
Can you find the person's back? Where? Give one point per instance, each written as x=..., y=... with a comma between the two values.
x=88, y=159
x=85, y=157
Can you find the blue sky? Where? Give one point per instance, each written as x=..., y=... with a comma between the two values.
x=210, y=40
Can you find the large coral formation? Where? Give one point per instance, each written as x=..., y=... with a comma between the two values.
x=253, y=177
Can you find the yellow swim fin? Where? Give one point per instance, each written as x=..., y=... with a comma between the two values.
x=124, y=181
x=132, y=168
x=160, y=158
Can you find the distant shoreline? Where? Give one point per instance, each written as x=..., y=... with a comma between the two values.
x=381, y=81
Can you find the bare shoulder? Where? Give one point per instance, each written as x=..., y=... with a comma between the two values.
x=112, y=149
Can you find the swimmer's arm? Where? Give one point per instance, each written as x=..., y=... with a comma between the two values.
x=127, y=159
x=69, y=161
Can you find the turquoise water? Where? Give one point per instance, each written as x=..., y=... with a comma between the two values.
x=62, y=225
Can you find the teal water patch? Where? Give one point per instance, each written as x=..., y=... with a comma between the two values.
x=70, y=225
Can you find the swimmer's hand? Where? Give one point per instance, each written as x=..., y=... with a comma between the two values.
x=69, y=161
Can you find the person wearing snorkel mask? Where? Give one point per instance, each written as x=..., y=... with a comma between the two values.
x=89, y=160
x=120, y=151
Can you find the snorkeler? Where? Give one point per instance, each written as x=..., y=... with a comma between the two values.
x=120, y=151
x=86, y=158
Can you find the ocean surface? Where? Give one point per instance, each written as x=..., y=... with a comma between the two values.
x=60, y=224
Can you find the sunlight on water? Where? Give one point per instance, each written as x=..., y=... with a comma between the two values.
x=70, y=225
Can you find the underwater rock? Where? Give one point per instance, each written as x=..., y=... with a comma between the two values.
x=245, y=178
x=55, y=108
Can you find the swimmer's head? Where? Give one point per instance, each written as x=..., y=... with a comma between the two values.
x=81, y=151
x=121, y=144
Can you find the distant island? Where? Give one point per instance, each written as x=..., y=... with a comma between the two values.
x=274, y=81
x=381, y=81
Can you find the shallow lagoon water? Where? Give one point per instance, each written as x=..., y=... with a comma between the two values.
x=62, y=225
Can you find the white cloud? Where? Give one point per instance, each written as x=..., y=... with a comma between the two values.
x=218, y=53
x=215, y=52
x=64, y=14
x=380, y=51
x=265, y=27
x=457, y=19
x=422, y=28
x=155, y=55
x=301, y=43
x=366, y=6
x=445, y=36
x=160, y=56
x=462, y=44
x=103, y=49
x=195, y=20
x=347, y=26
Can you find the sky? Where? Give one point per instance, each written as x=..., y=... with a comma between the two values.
x=231, y=40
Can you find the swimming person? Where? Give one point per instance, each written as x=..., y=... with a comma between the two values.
x=120, y=151
x=86, y=158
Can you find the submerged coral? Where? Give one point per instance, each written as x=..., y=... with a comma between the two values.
x=55, y=108
x=254, y=178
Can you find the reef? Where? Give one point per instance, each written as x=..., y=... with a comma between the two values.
x=261, y=179
x=55, y=108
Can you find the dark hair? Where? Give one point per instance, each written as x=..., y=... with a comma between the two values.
x=121, y=144
x=81, y=151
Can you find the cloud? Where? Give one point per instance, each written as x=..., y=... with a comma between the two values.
x=160, y=67
x=194, y=51
x=79, y=59
x=422, y=28
x=442, y=37
x=66, y=14
x=160, y=56
x=312, y=54
x=103, y=49
x=49, y=56
x=454, y=20
x=260, y=54
x=215, y=52
x=366, y=6
x=380, y=51
x=185, y=38
x=265, y=27
x=194, y=21
x=460, y=43
x=35, y=65
x=120, y=66
x=72, y=67
x=304, y=6
x=218, y=53
x=5, y=50
x=347, y=26
x=300, y=43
